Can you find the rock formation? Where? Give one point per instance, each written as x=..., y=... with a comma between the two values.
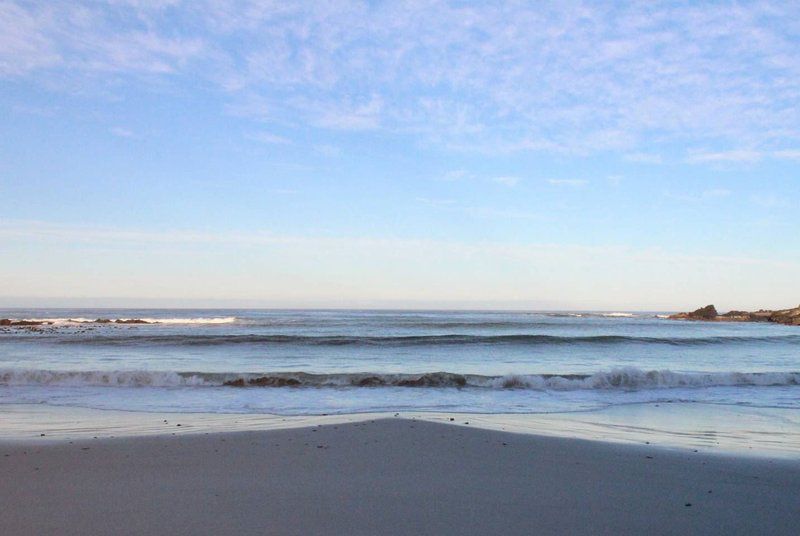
x=23, y=323
x=709, y=313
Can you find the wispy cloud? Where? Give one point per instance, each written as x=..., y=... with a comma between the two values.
x=540, y=78
x=121, y=132
x=742, y=155
x=768, y=200
x=481, y=212
x=456, y=175
x=706, y=195
x=643, y=158
x=738, y=155
x=326, y=149
x=268, y=138
x=506, y=180
x=789, y=154
x=436, y=202
x=716, y=193
x=70, y=233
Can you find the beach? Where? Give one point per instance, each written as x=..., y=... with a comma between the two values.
x=387, y=476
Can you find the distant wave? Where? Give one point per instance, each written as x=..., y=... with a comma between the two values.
x=615, y=379
x=596, y=314
x=206, y=339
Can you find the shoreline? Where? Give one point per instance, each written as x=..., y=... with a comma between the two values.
x=388, y=476
x=709, y=428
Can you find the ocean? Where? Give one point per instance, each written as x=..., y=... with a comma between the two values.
x=293, y=362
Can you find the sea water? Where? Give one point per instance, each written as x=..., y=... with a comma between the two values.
x=328, y=362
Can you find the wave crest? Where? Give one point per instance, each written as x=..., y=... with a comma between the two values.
x=615, y=379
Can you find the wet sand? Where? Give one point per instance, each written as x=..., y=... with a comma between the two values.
x=390, y=476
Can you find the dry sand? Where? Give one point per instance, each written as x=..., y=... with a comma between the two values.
x=391, y=476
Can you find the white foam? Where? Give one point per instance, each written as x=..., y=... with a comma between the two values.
x=82, y=320
x=214, y=320
x=631, y=378
x=114, y=378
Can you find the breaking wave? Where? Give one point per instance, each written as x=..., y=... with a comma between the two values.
x=615, y=379
x=82, y=320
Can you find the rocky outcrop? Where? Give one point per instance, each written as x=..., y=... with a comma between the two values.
x=709, y=313
x=786, y=316
x=9, y=322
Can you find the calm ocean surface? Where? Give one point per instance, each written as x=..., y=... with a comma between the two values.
x=313, y=362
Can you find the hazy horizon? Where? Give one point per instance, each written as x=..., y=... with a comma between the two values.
x=22, y=303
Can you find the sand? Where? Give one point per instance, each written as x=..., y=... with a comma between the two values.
x=390, y=476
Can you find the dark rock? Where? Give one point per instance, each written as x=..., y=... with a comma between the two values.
x=704, y=313
x=5, y=322
x=790, y=317
x=131, y=321
x=102, y=321
x=736, y=313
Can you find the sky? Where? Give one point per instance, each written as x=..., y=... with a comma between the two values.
x=443, y=154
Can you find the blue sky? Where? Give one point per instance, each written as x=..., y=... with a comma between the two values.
x=400, y=154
